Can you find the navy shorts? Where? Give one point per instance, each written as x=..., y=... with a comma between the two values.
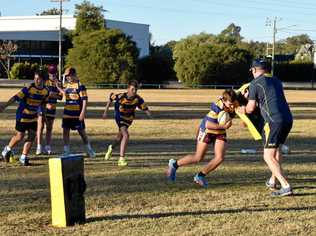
x=73, y=124
x=122, y=123
x=25, y=126
x=208, y=138
x=275, y=133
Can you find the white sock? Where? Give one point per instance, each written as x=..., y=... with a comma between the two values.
x=271, y=181
x=39, y=146
x=66, y=148
x=7, y=148
x=287, y=186
x=23, y=157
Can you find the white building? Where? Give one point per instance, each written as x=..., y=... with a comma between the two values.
x=37, y=36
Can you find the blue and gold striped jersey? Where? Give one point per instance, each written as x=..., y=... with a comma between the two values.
x=30, y=100
x=125, y=107
x=75, y=93
x=52, y=101
x=212, y=116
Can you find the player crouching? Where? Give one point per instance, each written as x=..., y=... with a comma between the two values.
x=210, y=131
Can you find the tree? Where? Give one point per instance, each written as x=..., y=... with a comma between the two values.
x=89, y=17
x=230, y=35
x=202, y=59
x=104, y=56
x=52, y=11
x=6, y=51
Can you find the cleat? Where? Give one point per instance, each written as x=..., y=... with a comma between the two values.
x=6, y=154
x=122, y=162
x=24, y=161
x=200, y=180
x=48, y=150
x=282, y=192
x=108, y=154
x=171, y=172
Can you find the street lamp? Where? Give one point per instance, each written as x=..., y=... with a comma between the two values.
x=60, y=35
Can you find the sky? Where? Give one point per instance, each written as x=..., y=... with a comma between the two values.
x=177, y=19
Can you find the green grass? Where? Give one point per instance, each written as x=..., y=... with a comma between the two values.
x=138, y=200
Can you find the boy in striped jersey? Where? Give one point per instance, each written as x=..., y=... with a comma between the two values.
x=48, y=119
x=125, y=106
x=74, y=110
x=210, y=131
x=30, y=100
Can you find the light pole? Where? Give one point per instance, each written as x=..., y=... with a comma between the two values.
x=60, y=36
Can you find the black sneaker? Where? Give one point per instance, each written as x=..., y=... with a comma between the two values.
x=282, y=192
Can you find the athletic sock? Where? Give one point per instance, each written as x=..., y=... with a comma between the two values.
x=271, y=181
x=39, y=146
x=7, y=148
x=23, y=157
x=200, y=174
x=175, y=165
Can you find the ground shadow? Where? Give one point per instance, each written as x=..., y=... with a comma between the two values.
x=195, y=213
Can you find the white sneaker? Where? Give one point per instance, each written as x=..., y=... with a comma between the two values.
x=48, y=150
x=91, y=153
x=6, y=154
x=38, y=151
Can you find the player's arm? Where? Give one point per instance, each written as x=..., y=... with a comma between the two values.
x=107, y=106
x=19, y=96
x=212, y=125
x=251, y=106
x=60, y=89
x=8, y=103
x=84, y=97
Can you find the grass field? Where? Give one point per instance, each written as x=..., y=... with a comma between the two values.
x=138, y=200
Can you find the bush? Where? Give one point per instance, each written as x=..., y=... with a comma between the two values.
x=154, y=69
x=103, y=56
x=25, y=70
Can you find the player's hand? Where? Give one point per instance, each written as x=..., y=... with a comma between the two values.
x=104, y=115
x=242, y=109
x=82, y=115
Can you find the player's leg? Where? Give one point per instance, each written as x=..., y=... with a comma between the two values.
x=220, y=146
x=124, y=141
x=201, y=149
x=8, y=150
x=66, y=139
x=85, y=140
x=39, y=134
x=49, y=133
x=31, y=134
x=114, y=144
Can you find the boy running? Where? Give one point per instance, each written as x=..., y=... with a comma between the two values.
x=74, y=110
x=48, y=120
x=125, y=105
x=30, y=100
x=210, y=131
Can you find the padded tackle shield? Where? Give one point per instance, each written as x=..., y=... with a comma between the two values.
x=67, y=186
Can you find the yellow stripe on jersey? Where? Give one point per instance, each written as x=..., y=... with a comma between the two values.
x=26, y=120
x=212, y=114
x=72, y=107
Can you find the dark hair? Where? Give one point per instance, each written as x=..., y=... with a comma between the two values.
x=40, y=73
x=229, y=95
x=132, y=83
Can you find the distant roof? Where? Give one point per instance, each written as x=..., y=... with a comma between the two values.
x=47, y=23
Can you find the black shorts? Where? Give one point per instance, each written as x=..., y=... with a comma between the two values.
x=208, y=138
x=275, y=133
x=73, y=124
x=122, y=123
x=25, y=126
